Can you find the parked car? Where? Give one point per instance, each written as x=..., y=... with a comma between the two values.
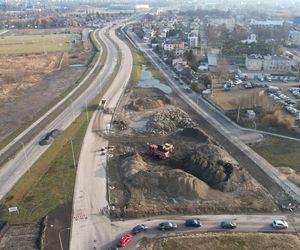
x=289, y=101
x=124, y=240
x=228, y=224
x=139, y=228
x=188, y=89
x=280, y=224
x=167, y=226
x=193, y=223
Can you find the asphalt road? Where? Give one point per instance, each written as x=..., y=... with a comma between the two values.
x=15, y=168
x=91, y=227
x=210, y=223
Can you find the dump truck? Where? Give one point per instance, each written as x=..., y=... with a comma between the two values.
x=161, y=151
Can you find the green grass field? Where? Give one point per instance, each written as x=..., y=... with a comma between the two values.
x=34, y=44
x=279, y=152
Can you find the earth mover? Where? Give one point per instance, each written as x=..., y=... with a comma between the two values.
x=161, y=152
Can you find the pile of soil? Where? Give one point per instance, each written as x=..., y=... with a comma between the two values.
x=141, y=104
x=212, y=164
x=168, y=120
x=173, y=183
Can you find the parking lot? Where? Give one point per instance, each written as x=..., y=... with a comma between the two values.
x=288, y=99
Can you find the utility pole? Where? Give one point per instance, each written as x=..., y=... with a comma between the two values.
x=86, y=111
x=73, y=154
x=25, y=155
x=238, y=114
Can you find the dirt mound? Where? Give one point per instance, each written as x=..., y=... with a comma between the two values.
x=141, y=104
x=168, y=120
x=173, y=183
x=132, y=165
x=194, y=133
x=215, y=166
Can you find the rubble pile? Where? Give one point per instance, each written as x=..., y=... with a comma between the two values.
x=168, y=120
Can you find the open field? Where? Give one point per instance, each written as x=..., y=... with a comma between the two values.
x=30, y=83
x=34, y=44
x=225, y=241
x=43, y=31
x=280, y=152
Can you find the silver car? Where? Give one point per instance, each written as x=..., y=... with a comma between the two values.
x=280, y=224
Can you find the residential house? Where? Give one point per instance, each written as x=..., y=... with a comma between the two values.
x=179, y=60
x=170, y=45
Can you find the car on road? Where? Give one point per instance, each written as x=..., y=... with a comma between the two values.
x=124, y=240
x=228, y=224
x=279, y=224
x=193, y=223
x=49, y=137
x=113, y=248
x=139, y=228
x=167, y=226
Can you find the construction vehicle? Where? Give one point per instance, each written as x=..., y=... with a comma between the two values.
x=102, y=104
x=168, y=147
x=162, y=152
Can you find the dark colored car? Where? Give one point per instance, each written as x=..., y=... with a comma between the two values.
x=167, y=226
x=46, y=140
x=49, y=137
x=228, y=224
x=193, y=223
x=139, y=228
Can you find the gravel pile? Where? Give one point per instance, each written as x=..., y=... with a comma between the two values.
x=168, y=120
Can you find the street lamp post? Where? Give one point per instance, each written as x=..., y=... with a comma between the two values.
x=60, y=242
x=73, y=154
x=25, y=154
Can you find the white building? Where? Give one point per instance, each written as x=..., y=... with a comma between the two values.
x=268, y=63
x=142, y=8
x=250, y=39
x=254, y=62
x=212, y=59
x=228, y=22
x=267, y=23
x=193, y=41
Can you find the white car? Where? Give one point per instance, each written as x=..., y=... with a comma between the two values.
x=280, y=224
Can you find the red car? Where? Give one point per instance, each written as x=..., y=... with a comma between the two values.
x=124, y=240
